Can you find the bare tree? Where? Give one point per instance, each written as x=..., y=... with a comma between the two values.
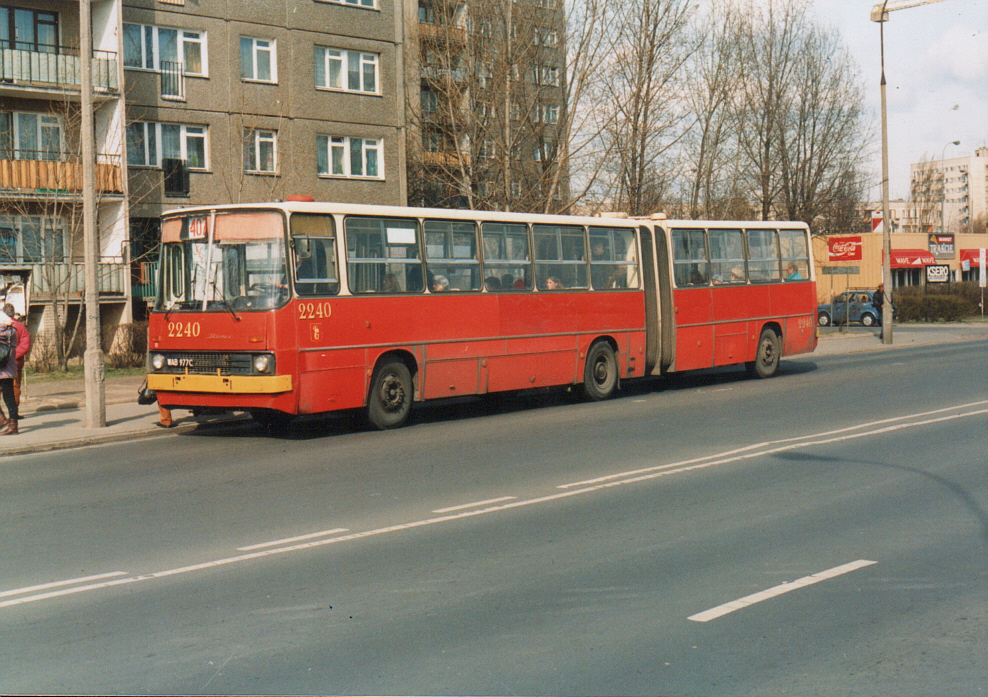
x=926, y=194
x=644, y=96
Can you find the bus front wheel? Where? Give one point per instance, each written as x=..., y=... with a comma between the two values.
x=600, y=376
x=767, y=358
x=390, y=399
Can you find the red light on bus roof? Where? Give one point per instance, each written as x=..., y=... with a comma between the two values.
x=305, y=198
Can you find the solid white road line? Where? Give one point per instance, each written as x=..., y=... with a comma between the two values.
x=735, y=605
x=474, y=505
x=291, y=539
x=759, y=449
x=58, y=584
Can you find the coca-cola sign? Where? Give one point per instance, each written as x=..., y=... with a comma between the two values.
x=844, y=248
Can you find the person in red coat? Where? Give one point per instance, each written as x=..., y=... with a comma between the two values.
x=23, y=348
x=7, y=372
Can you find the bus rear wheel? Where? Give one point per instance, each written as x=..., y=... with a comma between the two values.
x=767, y=357
x=390, y=398
x=600, y=376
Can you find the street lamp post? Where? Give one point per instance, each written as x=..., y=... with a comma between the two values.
x=943, y=186
x=879, y=13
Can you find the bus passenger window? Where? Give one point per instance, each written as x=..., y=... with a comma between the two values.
x=507, y=258
x=689, y=255
x=451, y=253
x=560, y=251
x=763, y=256
x=613, y=258
x=726, y=256
x=380, y=247
x=795, y=255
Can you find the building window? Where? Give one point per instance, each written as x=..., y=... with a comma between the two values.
x=342, y=156
x=548, y=76
x=31, y=239
x=356, y=3
x=151, y=48
x=550, y=113
x=25, y=29
x=260, y=151
x=149, y=143
x=30, y=136
x=349, y=71
x=258, y=60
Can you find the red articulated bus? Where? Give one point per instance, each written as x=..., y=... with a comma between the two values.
x=281, y=309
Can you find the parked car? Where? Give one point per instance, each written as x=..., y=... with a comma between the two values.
x=851, y=306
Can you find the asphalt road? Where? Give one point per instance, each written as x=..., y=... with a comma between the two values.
x=820, y=533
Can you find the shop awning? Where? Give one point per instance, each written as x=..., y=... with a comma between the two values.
x=971, y=255
x=911, y=258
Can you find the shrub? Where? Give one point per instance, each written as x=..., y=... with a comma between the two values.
x=949, y=303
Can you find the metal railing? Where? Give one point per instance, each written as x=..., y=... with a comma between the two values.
x=172, y=80
x=69, y=277
x=59, y=66
x=144, y=279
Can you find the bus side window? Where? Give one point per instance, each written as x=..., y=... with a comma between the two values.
x=689, y=255
x=726, y=256
x=795, y=255
x=315, y=266
x=507, y=257
x=381, y=250
x=763, y=256
x=613, y=258
x=451, y=252
x=560, y=252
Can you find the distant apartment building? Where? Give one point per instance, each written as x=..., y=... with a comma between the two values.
x=244, y=102
x=487, y=104
x=949, y=195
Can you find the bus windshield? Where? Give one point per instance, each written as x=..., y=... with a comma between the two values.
x=221, y=263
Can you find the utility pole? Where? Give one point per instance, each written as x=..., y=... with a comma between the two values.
x=93, y=360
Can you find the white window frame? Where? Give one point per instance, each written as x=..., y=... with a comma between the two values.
x=255, y=49
x=548, y=76
x=187, y=132
x=343, y=145
x=342, y=57
x=16, y=223
x=150, y=33
x=258, y=138
x=44, y=121
x=550, y=113
x=360, y=4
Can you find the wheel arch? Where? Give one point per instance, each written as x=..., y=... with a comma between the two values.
x=399, y=354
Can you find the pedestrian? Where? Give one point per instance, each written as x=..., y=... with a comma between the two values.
x=8, y=370
x=164, y=417
x=23, y=348
x=878, y=299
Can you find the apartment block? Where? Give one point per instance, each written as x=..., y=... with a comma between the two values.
x=485, y=125
x=233, y=101
x=41, y=182
x=950, y=195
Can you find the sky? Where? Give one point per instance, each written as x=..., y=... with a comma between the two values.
x=936, y=67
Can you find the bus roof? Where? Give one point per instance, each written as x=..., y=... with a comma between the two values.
x=463, y=214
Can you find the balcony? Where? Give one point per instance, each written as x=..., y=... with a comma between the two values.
x=445, y=159
x=144, y=279
x=58, y=70
x=68, y=278
x=45, y=173
x=441, y=33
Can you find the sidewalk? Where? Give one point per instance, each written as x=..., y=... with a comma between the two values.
x=53, y=415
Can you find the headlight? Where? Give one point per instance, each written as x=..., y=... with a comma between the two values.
x=262, y=363
x=157, y=361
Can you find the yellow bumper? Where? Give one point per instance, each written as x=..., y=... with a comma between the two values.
x=226, y=384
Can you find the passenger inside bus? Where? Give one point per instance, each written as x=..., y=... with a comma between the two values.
x=553, y=283
x=493, y=283
x=439, y=284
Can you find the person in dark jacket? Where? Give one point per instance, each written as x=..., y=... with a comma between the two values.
x=23, y=348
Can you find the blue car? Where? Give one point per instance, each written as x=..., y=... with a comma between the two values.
x=850, y=306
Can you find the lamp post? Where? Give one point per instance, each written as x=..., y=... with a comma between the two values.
x=879, y=13
x=943, y=186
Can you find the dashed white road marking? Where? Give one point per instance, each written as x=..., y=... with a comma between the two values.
x=464, y=506
x=288, y=540
x=744, y=602
x=500, y=504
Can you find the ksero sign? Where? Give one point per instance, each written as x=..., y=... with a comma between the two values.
x=938, y=273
